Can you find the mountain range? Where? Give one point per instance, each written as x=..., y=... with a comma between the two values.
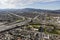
x=29, y=10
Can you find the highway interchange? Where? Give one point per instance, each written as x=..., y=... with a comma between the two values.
x=7, y=27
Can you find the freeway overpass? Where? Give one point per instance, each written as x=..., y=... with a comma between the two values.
x=4, y=27
x=16, y=15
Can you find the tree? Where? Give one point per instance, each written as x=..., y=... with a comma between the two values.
x=41, y=29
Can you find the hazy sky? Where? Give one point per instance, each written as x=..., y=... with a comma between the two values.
x=40, y=4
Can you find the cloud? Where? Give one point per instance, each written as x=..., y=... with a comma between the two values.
x=19, y=3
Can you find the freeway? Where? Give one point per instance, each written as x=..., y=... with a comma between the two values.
x=16, y=15
x=4, y=27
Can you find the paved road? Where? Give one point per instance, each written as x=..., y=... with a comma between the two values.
x=4, y=27
x=17, y=15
